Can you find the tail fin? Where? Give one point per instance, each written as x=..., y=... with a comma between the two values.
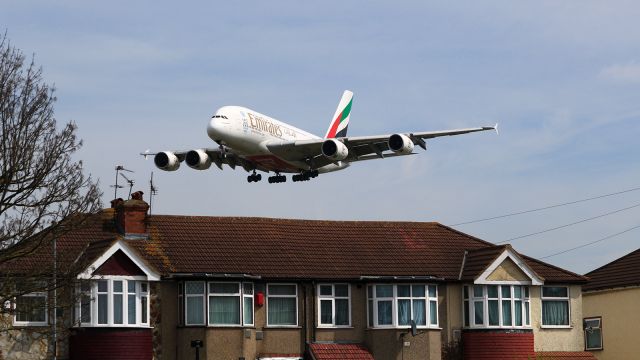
x=338, y=127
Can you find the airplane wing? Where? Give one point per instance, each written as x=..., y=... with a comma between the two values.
x=360, y=147
x=217, y=156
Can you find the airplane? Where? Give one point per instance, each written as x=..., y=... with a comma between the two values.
x=257, y=142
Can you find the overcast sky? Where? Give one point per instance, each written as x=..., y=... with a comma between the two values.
x=561, y=78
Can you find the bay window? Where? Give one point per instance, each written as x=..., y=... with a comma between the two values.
x=334, y=305
x=282, y=305
x=115, y=302
x=496, y=306
x=555, y=306
x=398, y=305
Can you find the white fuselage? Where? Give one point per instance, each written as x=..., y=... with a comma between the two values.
x=248, y=132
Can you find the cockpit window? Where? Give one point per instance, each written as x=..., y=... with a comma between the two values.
x=220, y=116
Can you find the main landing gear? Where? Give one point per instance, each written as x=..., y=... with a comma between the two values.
x=277, y=179
x=254, y=177
x=305, y=175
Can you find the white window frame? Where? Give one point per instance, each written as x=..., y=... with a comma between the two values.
x=373, y=299
x=93, y=303
x=550, y=298
x=32, y=323
x=242, y=295
x=246, y=296
x=203, y=295
x=468, y=305
x=333, y=298
x=237, y=295
x=269, y=325
x=599, y=327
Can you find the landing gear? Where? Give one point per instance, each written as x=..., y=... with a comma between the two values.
x=277, y=179
x=254, y=177
x=305, y=175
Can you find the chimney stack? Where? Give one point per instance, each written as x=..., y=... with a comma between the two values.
x=131, y=215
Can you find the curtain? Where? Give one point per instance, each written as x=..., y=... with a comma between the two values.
x=282, y=311
x=494, y=314
x=517, y=309
x=195, y=306
x=404, y=315
x=103, y=309
x=384, y=312
x=433, y=312
x=117, y=309
x=555, y=312
x=506, y=313
x=326, y=310
x=478, y=312
x=419, y=310
x=224, y=310
x=342, y=311
x=248, y=310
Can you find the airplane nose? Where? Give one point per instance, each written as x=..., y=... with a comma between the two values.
x=213, y=129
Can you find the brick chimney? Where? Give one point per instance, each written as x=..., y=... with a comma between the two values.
x=131, y=215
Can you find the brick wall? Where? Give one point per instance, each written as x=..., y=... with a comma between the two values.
x=497, y=345
x=104, y=344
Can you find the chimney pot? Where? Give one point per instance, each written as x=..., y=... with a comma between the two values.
x=131, y=215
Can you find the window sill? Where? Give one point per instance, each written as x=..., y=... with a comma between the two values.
x=334, y=327
x=282, y=327
x=404, y=328
x=551, y=327
x=30, y=325
x=89, y=326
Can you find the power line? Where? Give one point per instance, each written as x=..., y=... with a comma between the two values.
x=591, y=243
x=546, y=207
x=570, y=224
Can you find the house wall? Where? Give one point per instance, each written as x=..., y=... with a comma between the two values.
x=566, y=339
x=620, y=318
x=25, y=343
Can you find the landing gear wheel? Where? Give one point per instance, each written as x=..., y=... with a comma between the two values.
x=254, y=177
x=277, y=179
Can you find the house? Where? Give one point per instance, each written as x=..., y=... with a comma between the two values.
x=166, y=287
x=610, y=303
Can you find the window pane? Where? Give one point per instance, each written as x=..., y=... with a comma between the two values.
x=144, y=285
x=370, y=291
x=384, y=290
x=526, y=292
x=466, y=313
x=506, y=291
x=248, y=288
x=224, y=288
x=195, y=310
x=103, y=308
x=282, y=311
x=85, y=308
x=478, y=313
x=506, y=313
x=342, y=312
x=326, y=312
x=117, y=307
x=466, y=292
x=404, y=290
x=224, y=310
x=102, y=286
x=370, y=313
x=492, y=291
x=131, y=309
x=433, y=312
x=419, y=312
x=326, y=290
x=117, y=286
x=418, y=290
x=517, y=292
x=143, y=305
x=494, y=315
x=527, y=321
x=554, y=291
x=432, y=290
x=282, y=289
x=193, y=288
x=478, y=291
x=31, y=308
x=404, y=312
x=342, y=290
x=555, y=312
x=248, y=311
x=517, y=312
x=384, y=313
x=131, y=286
x=594, y=338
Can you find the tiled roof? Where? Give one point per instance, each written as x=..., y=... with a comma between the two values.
x=622, y=272
x=478, y=260
x=564, y=355
x=293, y=249
x=339, y=352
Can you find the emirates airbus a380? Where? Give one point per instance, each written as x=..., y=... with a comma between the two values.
x=257, y=142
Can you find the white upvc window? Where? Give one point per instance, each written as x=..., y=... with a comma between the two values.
x=31, y=309
x=282, y=305
x=247, y=304
x=113, y=302
x=224, y=304
x=391, y=306
x=228, y=304
x=593, y=333
x=334, y=305
x=496, y=306
x=194, y=302
x=556, y=310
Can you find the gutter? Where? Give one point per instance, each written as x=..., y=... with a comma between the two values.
x=214, y=276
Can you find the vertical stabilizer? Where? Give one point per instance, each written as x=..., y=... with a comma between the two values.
x=338, y=127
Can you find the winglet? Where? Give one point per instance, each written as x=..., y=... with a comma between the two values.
x=496, y=129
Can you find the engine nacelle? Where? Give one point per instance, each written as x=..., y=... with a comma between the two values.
x=400, y=144
x=198, y=159
x=334, y=150
x=167, y=161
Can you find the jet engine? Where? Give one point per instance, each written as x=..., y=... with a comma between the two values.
x=167, y=161
x=400, y=144
x=198, y=159
x=334, y=150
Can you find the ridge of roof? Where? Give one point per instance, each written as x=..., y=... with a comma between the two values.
x=275, y=219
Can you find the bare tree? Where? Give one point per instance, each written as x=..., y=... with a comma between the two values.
x=43, y=190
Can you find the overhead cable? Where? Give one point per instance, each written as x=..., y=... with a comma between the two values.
x=570, y=224
x=590, y=243
x=546, y=207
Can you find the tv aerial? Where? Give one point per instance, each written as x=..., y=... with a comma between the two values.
x=130, y=182
x=116, y=186
x=153, y=190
